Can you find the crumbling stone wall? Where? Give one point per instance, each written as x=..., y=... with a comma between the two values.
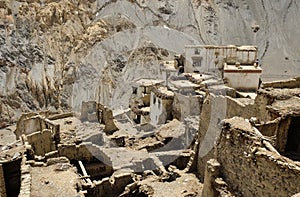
x=277, y=130
x=89, y=112
x=32, y=122
x=215, y=108
x=250, y=167
x=40, y=133
x=280, y=106
x=109, y=187
x=25, y=179
x=96, y=170
x=214, y=185
x=41, y=142
x=236, y=108
x=262, y=100
x=107, y=119
x=269, y=128
x=269, y=102
x=160, y=108
x=32, y=125
x=95, y=112
x=21, y=123
x=281, y=133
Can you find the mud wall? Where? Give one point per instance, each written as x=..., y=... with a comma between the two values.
x=31, y=123
x=291, y=83
x=41, y=142
x=107, y=119
x=250, y=168
x=214, y=185
x=25, y=179
x=184, y=106
x=96, y=112
x=84, y=151
x=236, y=108
x=214, y=110
x=110, y=187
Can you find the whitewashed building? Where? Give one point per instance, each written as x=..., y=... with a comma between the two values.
x=237, y=64
x=161, y=105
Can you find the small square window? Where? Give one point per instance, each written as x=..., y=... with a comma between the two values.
x=134, y=90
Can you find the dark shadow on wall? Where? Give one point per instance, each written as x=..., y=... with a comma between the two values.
x=12, y=174
x=293, y=140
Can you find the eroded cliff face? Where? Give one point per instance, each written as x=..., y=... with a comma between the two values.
x=56, y=54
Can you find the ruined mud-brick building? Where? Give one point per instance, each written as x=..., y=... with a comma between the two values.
x=256, y=153
x=266, y=142
x=140, y=100
x=49, y=158
x=63, y=155
x=239, y=138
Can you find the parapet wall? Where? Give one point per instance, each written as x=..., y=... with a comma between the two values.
x=249, y=166
x=290, y=83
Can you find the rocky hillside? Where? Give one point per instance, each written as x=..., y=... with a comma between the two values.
x=54, y=54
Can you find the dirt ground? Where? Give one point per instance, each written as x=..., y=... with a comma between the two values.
x=185, y=185
x=52, y=181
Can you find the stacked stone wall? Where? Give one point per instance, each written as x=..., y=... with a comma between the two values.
x=250, y=167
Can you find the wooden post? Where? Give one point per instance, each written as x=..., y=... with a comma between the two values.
x=84, y=172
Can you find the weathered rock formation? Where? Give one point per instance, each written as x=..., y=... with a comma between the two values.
x=56, y=54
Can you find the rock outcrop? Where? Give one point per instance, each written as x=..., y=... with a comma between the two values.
x=56, y=54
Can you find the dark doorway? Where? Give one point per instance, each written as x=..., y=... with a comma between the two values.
x=137, y=120
x=12, y=174
x=293, y=140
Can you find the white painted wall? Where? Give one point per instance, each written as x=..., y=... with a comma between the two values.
x=207, y=53
x=190, y=54
x=243, y=81
x=246, y=57
x=160, y=110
